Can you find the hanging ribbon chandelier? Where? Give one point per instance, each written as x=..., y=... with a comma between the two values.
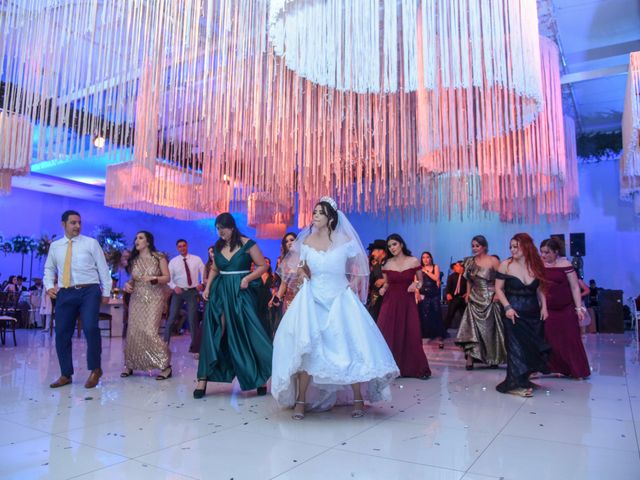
x=213, y=105
x=630, y=160
x=16, y=143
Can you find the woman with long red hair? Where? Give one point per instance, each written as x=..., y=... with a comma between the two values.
x=520, y=285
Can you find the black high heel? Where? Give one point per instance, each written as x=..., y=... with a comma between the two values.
x=261, y=391
x=469, y=366
x=199, y=392
x=164, y=377
x=127, y=373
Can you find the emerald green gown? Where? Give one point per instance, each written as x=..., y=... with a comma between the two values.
x=244, y=350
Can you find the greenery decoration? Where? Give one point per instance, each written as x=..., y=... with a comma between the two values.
x=598, y=146
x=44, y=242
x=112, y=243
x=23, y=244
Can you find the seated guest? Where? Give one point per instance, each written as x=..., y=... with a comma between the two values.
x=24, y=305
x=37, y=284
x=20, y=287
x=455, y=292
x=10, y=286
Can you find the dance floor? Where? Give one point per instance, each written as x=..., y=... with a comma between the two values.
x=452, y=426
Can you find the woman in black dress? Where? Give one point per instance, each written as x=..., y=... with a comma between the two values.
x=429, y=301
x=519, y=288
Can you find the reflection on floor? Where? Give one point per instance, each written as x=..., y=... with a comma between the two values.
x=452, y=426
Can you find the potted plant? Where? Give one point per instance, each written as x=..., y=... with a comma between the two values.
x=23, y=245
x=112, y=243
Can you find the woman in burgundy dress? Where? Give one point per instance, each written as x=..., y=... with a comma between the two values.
x=562, y=328
x=398, y=320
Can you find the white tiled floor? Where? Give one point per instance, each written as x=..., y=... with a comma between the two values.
x=452, y=426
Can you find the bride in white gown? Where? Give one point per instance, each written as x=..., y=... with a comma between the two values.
x=327, y=342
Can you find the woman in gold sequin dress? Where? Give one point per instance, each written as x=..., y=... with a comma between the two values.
x=286, y=291
x=144, y=348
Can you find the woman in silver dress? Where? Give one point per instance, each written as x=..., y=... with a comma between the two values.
x=481, y=333
x=144, y=348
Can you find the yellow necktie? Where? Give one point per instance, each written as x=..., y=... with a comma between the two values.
x=66, y=272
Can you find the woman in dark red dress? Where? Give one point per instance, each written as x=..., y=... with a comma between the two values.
x=562, y=328
x=398, y=320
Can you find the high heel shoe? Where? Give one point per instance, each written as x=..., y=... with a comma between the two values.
x=127, y=373
x=261, y=391
x=441, y=345
x=469, y=366
x=298, y=415
x=164, y=376
x=358, y=412
x=199, y=392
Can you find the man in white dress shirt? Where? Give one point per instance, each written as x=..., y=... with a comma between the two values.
x=83, y=278
x=187, y=272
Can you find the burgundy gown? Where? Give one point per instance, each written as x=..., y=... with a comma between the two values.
x=561, y=330
x=399, y=323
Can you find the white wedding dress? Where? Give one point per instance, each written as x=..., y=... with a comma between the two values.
x=328, y=333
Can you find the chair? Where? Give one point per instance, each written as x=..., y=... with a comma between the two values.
x=635, y=315
x=35, y=299
x=102, y=319
x=8, y=315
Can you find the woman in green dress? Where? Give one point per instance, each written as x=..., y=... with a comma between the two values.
x=234, y=341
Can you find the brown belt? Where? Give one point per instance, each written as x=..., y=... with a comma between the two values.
x=81, y=285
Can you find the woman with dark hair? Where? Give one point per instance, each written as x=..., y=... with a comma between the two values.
x=234, y=341
x=11, y=284
x=398, y=320
x=285, y=290
x=211, y=253
x=429, y=301
x=328, y=348
x=148, y=271
x=265, y=293
x=520, y=286
x=481, y=333
x=564, y=303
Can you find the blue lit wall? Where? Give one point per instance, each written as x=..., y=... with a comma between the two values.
x=612, y=231
x=33, y=213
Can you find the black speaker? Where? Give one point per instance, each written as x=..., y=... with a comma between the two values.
x=610, y=311
x=577, y=243
x=560, y=238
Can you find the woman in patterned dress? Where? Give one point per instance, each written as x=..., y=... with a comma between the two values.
x=149, y=271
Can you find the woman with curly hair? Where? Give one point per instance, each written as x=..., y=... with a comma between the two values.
x=520, y=285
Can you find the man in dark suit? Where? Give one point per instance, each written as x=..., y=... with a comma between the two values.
x=456, y=292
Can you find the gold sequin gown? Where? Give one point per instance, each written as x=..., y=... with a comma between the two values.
x=144, y=348
x=481, y=332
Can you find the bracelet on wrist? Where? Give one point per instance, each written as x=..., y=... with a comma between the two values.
x=580, y=309
x=507, y=308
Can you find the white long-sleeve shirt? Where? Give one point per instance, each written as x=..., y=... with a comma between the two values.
x=88, y=264
x=179, y=274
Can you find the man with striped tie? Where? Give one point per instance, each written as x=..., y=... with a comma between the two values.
x=83, y=278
